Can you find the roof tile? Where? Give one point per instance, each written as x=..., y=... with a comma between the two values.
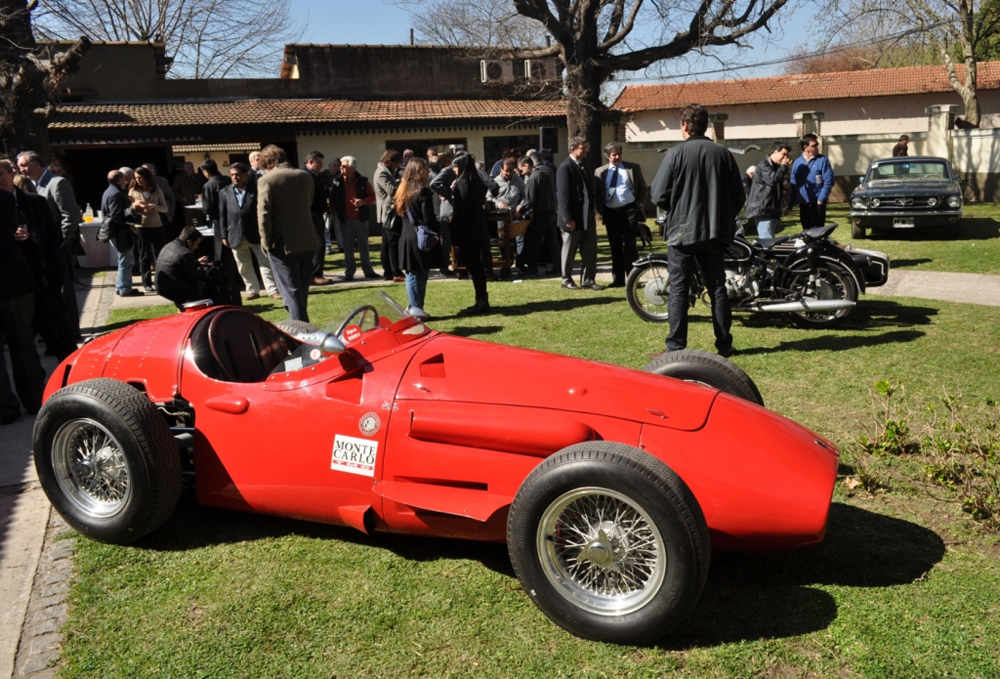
x=802, y=87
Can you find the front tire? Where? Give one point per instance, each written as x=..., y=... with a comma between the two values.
x=703, y=367
x=833, y=281
x=857, y=230
x=609, y=543
x=106, y=460
x=647, y=289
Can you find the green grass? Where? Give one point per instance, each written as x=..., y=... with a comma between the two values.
x=903, y=586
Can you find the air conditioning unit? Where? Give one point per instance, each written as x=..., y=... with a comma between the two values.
x=496, y=71
x=540, y=69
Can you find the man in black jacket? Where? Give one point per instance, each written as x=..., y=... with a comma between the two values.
x=698, y=230
x=764, y=200
x=116, y=209
x=575, y=214
x=180, y=277
x=240, y=233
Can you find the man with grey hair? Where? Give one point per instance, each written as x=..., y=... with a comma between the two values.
x=62, y=203
x=620, y=194
x=575, y=213
x=350, y=198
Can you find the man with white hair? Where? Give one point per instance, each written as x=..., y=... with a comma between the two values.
x=350, y=197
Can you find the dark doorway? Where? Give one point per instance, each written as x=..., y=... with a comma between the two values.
x=87, y=169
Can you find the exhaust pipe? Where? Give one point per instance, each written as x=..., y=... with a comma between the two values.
x=805, y=305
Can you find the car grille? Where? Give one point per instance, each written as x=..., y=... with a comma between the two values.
x=893, y=204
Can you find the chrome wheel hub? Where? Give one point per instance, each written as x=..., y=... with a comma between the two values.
x=90, y=468
x=601, y=551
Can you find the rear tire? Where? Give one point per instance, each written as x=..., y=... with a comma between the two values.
x=609, y=543
x=106, y=460
x=703, y=367
x=647, y=289
x=834, y=281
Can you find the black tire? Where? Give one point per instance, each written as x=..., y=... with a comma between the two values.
x=703, y=367
x=647, y=289
x=106, y=460
x=835, y=282
x=295, y=327
x=857, y=230
x=630, y=510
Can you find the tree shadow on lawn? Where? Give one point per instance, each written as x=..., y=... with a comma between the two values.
x=747, y=596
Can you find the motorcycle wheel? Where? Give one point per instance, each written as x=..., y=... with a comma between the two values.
x=833, y=281
x=647, y=290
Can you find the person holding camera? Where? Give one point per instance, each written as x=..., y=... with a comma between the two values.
x=182, y=277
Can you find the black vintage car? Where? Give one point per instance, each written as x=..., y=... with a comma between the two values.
x=907, y=193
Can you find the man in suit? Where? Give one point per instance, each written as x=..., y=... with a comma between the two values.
x=575, y=214
x=322, y=181
x=386, y=182
x=238, y=227
x=284, y=196
x=620, y=191
x=62, y=202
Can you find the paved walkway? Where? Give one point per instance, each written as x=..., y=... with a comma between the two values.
x=35, y=569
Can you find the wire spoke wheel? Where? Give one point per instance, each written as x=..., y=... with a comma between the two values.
x=601, y=551
x=832, y=282
x=90, y=468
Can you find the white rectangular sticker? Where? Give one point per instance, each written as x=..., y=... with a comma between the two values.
x=354, y=455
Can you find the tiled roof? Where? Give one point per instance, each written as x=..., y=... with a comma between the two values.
x=802, y=87
x=272, y=111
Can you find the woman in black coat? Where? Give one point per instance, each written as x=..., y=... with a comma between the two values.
x=414, y=202
x=468, y=228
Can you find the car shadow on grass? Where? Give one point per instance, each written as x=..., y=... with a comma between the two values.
x=540, y=306
x=868, y=314
x=836, y=342
x=763, y=596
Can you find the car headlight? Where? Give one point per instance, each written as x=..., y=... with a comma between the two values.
x=858, y=203
x=955, y=201
x=876, y=202
x=932, y=202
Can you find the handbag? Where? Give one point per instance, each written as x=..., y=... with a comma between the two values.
x=426, y=238
x=393, y=223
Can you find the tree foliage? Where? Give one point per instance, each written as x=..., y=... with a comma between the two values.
x=205, y=38
x=594, y=39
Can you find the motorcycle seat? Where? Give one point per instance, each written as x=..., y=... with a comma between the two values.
x=819, y=232
x=768, y=243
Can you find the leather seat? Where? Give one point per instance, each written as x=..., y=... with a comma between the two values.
x=245, y=347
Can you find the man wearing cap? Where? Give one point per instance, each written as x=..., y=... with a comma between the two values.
x=900, y=148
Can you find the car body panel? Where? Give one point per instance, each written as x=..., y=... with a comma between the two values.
x=419, y=432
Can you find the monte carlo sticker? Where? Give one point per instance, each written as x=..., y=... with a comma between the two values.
x=354, y=455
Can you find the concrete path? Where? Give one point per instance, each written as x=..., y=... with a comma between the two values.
x=35, y=570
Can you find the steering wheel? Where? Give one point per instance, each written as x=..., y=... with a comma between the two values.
x=363, y=310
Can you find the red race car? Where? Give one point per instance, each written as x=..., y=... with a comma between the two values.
x=609, y=485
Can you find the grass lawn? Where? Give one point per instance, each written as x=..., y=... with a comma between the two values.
x=905, y=585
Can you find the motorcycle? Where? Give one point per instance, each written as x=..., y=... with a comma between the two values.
x=808, y=274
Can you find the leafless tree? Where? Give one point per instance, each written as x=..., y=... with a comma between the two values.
x=958, y=31
x=28, y=76
x=205, y=38
x=595, y=39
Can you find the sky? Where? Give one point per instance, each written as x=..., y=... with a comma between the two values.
x=377, y=22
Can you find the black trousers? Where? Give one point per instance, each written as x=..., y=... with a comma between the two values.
x=620, y=224
x=812, y=215
x=29, y=376
x=149, y=246
x=472, y=256
x=67, y=288
x=319, y=257
x=681, y=262
x=390, y=255
x=292, y=275
x=542, y=223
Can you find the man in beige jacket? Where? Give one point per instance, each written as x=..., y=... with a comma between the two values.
x=284, y=196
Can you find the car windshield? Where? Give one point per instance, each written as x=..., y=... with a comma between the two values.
x=921, y=169
x=375, y=308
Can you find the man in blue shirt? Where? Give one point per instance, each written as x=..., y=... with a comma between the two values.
x=811, y=183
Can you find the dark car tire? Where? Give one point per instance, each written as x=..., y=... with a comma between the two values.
x=704, y=367
x=106, y=460
x=857, y=231
x=655, y=276
x=638, y=513
x=295, y=327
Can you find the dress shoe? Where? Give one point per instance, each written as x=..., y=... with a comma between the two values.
x=348, y=279
x=617, y=284
x=320, y=280
x=398, y=279
x=448, y=273
x=591, y=285
x=570, y=285
x=252, y=295
x=134, y=292
x=276, y=295
x=726, y=353
x=149, y=288
x=372, y=274
x=481, y=306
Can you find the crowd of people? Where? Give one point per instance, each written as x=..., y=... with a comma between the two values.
x=273, y=225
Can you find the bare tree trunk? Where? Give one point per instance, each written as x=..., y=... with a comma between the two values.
x=584, y=108
x=27, y=82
